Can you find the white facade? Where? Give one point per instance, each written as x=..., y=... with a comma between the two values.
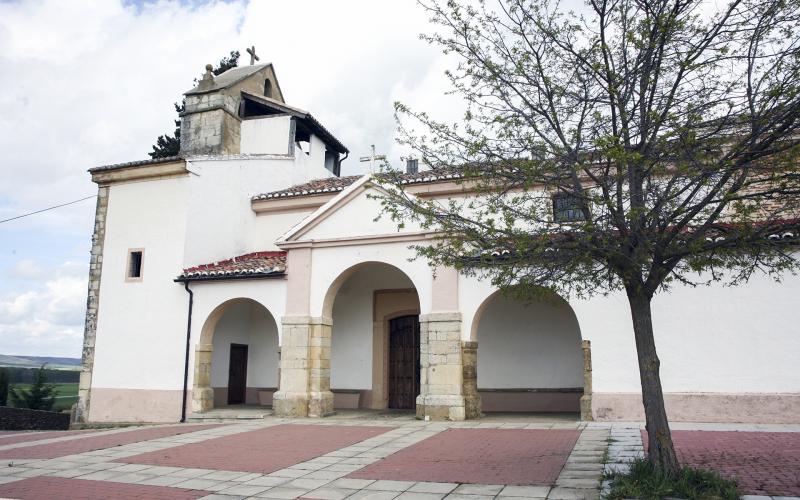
x=727, y=353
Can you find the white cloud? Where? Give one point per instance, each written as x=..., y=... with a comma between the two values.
x=86, y=83
x=48, y=319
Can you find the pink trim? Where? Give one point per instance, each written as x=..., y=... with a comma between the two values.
x=135, y=405
x=298, y=286
x=445, y=290
x=703, y=407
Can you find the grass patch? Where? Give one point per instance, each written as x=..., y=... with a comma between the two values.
x=650, y=483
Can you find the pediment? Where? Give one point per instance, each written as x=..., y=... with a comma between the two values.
x=354, y=214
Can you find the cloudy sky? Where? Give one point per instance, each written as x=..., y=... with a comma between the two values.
x=87, y=83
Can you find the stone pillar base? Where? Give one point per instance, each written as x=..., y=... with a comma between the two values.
x=320, y=404
x=472, y=400
x=202, y=399
x=586, y=408
x=441, y=408
x=290, y=404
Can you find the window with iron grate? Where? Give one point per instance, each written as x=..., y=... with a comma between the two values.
x=567, y=208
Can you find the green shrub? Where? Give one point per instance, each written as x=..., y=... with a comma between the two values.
x=651, y=483
x=40, y=396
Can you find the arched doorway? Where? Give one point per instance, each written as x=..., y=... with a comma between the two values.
x=236, y=360
x=530, y=357
x=374, y=363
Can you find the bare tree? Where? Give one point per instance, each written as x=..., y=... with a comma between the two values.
x=639, y=145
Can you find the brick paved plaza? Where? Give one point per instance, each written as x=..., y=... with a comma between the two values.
x=370, y=458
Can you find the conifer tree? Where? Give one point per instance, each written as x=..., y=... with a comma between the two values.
x=41, y=395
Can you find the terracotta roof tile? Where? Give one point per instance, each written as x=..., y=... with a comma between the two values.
x=251, y=265
x=336, y=184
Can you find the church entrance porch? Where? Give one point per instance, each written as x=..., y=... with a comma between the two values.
x=236, y=359
x=374, y=350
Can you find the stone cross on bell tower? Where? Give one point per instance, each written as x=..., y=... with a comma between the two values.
x=253, y=56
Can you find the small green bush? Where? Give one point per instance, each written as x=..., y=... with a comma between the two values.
x=651, y=483
x=40, y=396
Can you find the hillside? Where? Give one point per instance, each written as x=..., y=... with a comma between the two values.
x=37, y=361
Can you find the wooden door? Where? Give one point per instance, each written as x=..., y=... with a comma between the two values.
x=403, y=362
x=237, y=374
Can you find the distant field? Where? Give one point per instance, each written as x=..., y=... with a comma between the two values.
x=67, y=395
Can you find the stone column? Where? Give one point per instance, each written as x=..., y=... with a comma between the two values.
x=586, y=399
x=202, y=392
x=81, y=409
x=320, y=401
x=441, y=368
x=472, y=400
x=305, y=389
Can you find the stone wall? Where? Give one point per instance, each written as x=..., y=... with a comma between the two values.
x=92, y=304
x=210, y=125
x=23, y=419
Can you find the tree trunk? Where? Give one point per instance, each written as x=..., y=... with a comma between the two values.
x=661, y=452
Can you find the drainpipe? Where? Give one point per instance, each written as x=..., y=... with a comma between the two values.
x=188, y=345
x=339, y=167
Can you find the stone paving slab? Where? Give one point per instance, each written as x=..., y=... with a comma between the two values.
x=97, y=442
x=263, y=450
x=763, y=463
x=479, y=455
x=39, y=488
x=25, y=437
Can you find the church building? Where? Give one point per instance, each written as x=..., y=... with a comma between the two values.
x=248, y=271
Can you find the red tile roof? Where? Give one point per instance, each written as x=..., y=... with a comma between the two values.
x=336, y=184
x=251, y=265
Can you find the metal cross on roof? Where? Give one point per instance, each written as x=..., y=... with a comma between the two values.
x=371, y=159
x=253, y=56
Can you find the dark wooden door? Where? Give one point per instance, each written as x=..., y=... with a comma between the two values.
x=403, y=362
x=237, y=374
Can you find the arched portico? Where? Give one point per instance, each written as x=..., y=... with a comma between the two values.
x=531, y=355
x=374, y=362
x=236, y=357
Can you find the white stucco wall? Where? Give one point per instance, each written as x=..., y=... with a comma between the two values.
x=742, y=339
x=534, y=345
x=351, y=338
x=221, y=223
x=139, y=319
x=268, y=135
x=250, y=324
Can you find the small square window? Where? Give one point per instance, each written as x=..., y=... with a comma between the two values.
x=567, y=208
x=135, y=265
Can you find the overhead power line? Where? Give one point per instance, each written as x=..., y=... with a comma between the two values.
x=48, y=208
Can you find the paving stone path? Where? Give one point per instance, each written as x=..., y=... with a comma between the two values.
x=321, y=459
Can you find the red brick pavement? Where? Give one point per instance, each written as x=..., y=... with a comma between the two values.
x=480, y=456
x=763, y=463
x=38, y=488
x=263, y=451
x=24, y=437
x=98, y=442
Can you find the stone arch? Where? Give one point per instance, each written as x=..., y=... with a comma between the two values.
x=202, y=390
x=564, y=386
x=360, y=305
x=341, y=279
